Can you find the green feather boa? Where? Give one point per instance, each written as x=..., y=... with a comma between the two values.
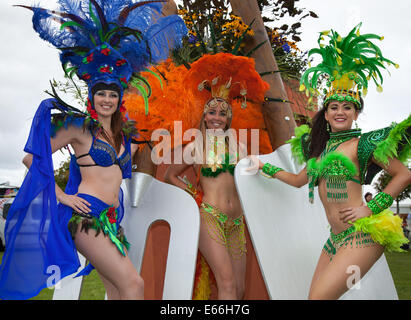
x=385, y=228
x=389, y=147
x=296, y=143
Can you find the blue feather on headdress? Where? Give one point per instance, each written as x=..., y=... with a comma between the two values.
x=131, y=30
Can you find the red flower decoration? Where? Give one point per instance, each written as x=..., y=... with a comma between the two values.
x=85, y=76
x=91, y=110
x=111, y=215
x=122, y=107
x=106, y=69
x=120, y=62
x=90, y=57
x=106, y=51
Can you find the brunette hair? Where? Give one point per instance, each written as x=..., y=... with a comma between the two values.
x=319, y=134
x=116, y=127
x=119, y=126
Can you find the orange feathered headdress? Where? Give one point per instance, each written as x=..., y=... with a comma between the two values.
x=234, y=79
x=226, y=76
x=178, y=97
x=165, y=104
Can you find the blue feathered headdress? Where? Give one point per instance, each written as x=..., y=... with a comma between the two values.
x=109, y=41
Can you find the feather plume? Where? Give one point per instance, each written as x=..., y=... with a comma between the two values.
x=349, y=62
x=100, y=13
x=163, y=35
x=134, y=28
x=124, y=14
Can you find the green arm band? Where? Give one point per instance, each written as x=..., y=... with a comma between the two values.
x=380, y=202
x=270, y=170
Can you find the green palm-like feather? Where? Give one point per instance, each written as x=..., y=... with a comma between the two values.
x=143, y=87
x=156, y=75
x=355, y=55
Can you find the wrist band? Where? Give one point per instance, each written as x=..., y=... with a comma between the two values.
x=380, y=202
x=196, y=194
x=191, y=190
x=270, y=170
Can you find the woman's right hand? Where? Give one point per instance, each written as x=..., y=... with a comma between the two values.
x=76, y=203
x=255, y=164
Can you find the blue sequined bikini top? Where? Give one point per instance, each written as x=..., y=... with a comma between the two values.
x=104, y=155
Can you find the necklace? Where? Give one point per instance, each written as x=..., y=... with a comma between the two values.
x=336, y=138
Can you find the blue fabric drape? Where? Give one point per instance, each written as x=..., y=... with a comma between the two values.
x=36, y=236
x=38, y=241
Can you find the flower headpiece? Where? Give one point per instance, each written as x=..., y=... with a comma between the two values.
x=349, y=63
x=109, y=41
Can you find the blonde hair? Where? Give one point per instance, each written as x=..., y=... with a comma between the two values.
x=203, y=129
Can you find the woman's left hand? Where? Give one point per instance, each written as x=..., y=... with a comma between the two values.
x=352, y=214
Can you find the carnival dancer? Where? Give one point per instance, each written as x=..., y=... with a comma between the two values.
x=106, y=44
x=217, y=82
x=339, y=160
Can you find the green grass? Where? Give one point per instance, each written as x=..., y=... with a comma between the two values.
x=92, y=289
x=399, y=263
x=400, y=266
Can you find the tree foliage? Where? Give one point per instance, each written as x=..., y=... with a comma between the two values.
x=279, y=9
x=383, y=181
x=61, y=174
x=213, y=28
x=272, y=11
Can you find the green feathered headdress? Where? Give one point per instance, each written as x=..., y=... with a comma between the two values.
x=348, y=63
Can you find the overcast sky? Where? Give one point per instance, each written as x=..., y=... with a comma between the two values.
x=27, y=63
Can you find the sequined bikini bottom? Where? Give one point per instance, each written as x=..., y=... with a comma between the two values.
x=224, y=230
x=346, y=238
x=102, y=217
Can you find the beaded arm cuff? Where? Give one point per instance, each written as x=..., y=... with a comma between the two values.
x=192, y=190
x=380, y=202
x=196, y=194
x=271, y=170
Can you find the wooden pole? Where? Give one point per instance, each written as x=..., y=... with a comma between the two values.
x=169, y=8
x=278, y=116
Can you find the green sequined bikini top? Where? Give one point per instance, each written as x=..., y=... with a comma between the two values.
x=382, y=144
x=334, y=167
x=334, y=163
x=214, y=169
x=216, y=160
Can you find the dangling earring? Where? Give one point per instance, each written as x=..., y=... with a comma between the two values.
x=328, y=127
x=356, y=124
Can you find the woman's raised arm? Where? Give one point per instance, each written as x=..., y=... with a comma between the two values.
x=296, y=180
